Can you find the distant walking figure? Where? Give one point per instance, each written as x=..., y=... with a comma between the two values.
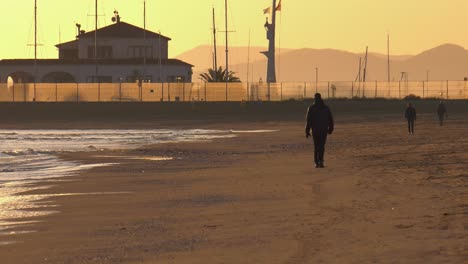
x=320, y=120
x=441, y=112
x=410, y=115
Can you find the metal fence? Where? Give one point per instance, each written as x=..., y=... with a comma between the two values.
x=233, y=92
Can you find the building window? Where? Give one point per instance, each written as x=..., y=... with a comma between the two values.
x=135, y=79
x=104, y=52
x=139, y=52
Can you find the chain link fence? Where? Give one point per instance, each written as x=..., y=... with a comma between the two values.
x=233, y=92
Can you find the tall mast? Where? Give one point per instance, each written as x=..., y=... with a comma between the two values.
x=365, y=66
x=272, y=47
x=360, y=64
x=388, y=56
x=35, y=45
x=248, y=60
x=270, y=54
x=215, y=66
x=35, y=32
x=144, y=37
x=160, y=56
x=227, y=49
x=95, y=39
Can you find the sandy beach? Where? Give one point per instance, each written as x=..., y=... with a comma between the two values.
x=383, y=197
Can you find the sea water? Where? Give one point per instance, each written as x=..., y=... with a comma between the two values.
x=31, y=156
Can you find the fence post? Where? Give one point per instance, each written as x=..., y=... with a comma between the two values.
x=141, y=90
x=120, y=91
x=77, y=92
x=56, y=92
x=13, y=92
x=24, y=93
x=183, y=92
x=168, y=92
x=205, y=92
x=447, y=89
x=305, y=89
x=375, y=95
x=269, y=91
x=281, y=92
x=247, y=98
x=352, y=90
x=399, y=89
x=162, y=91
x=363, y=89
x=328, y=90
x=423, y=88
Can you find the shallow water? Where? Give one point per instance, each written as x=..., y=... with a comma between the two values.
x=28, y=157
x=31, y=156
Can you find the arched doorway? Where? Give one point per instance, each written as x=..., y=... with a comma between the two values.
x=21, y=77
x=58, y=77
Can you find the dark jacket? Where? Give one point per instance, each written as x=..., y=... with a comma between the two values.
x=319, y=118
x=410, y=113
x=441, y=110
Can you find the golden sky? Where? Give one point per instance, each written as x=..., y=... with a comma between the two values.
x=414, y=25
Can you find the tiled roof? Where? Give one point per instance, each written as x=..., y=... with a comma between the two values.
x=121, y=30
x=91, y=62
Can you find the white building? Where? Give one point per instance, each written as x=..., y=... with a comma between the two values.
x=125, y=53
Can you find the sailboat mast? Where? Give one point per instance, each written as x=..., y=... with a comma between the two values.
x=35, y=32
x=365, y=66
x=95, y=39
x=144, y=37
x=215, y=66
x=248, y=60
x=359, y=74
x=227, y=49
x=388, y=57
x=35, y=47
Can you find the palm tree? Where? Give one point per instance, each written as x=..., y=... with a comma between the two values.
x=218, y=76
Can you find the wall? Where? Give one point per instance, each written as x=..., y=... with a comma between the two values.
x=120, y=46
x=81, y=72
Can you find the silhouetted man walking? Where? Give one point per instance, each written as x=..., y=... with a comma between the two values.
x=410, y=115
x=320, y=120
x=441, y=112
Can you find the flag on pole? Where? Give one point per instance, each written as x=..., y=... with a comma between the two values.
x=266, y=10
x=278, y=8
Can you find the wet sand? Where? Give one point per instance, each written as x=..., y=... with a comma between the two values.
x=384, y=197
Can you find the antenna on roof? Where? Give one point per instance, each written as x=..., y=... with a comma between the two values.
x=78, y=29
x=116, y=17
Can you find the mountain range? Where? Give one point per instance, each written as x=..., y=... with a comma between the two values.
x=445, y=62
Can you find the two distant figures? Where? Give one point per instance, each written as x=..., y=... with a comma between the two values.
x=410, y=115
x=320, y=120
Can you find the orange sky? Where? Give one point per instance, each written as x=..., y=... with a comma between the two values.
x=350, y=25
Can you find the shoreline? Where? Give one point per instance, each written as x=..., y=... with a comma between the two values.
x=256, y=198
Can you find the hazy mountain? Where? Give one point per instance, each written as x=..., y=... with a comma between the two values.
x=202, y=56
x=446, y=62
